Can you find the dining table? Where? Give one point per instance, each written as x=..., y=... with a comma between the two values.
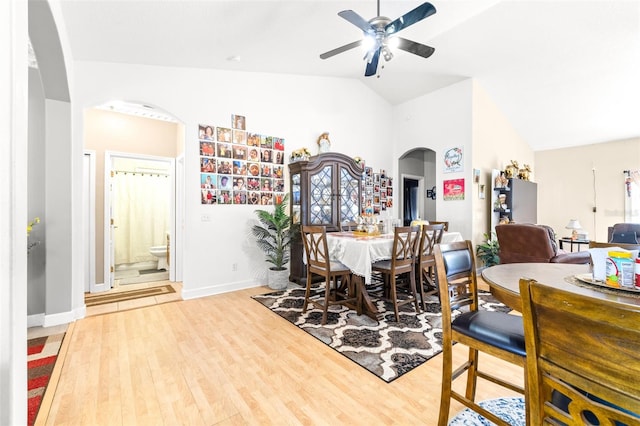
x=504, y=281
x=359, y=251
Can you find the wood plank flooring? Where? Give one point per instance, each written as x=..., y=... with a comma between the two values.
x=227, y=360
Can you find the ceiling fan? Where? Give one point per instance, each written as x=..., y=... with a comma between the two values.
x=379, y=36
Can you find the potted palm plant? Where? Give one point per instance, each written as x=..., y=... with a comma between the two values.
x=273, y=236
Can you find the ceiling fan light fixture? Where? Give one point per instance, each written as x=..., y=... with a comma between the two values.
x=379, y=36
x=386, y=53
x=393, y=43
x=369, y=42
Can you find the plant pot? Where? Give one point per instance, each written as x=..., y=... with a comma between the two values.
x=278, y=279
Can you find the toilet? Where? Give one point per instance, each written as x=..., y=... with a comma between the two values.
x=161, y=253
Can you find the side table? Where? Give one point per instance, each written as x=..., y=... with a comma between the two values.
x=572, y=243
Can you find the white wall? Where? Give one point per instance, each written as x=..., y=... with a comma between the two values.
x=293, y=107
x=495, y=144
x=13, y=211
x=439, y=121
x=36, y=191
x=567, y=190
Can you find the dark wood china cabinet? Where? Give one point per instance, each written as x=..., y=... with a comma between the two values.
x=325, y=190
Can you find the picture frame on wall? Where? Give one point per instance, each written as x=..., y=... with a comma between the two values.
x=453, y=160
x=453, y=189
x=240, y=167
x=481, y=192
x=238, y=122
x=476, y=175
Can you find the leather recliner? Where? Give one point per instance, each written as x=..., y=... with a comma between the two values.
x=529, y=243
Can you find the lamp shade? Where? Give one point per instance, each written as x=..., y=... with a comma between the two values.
x=573, y=224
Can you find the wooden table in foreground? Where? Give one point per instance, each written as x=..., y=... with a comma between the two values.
x=504, y=281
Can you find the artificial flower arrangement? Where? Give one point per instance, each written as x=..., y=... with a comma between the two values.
x=300, y=154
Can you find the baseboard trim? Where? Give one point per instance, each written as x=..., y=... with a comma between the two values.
x=217, y=289
x=36, y=320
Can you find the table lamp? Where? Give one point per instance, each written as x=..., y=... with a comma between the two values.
x=574, y=225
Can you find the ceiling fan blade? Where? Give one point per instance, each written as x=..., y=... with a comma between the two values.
x=415, y=48
x=340, y=49
x=356, y=20
x=372, y=67
x=410, y=18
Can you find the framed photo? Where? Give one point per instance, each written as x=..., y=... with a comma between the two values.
x=476, y=175
x=453, y=189
x=238, y=122
x=452, y=160
x=481, y=192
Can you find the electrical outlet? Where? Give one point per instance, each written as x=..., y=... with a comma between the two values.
x=205, y=218
x=234, y=267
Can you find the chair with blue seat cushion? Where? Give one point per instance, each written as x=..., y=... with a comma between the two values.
x=624, y=237
x=339, y=288
x=583, y=360
x=495, y=333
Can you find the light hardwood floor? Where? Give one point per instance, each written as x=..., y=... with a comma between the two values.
x=227, y=360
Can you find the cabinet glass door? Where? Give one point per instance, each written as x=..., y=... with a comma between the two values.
x=321, y=197
x=295, y=194
x=349, y=196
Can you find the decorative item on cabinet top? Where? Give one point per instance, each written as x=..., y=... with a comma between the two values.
x=514, y=171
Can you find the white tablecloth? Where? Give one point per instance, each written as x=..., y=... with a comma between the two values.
x=358, y=253
x=451, y=237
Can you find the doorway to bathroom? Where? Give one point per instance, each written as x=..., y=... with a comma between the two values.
x=140, y=217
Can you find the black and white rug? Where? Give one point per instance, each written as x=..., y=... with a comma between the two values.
x=511, y=410
x=386, y=348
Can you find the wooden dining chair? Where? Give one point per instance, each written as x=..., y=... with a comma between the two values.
x=445, y=223
x=430, y=235
x=348, y=225
x=339, y=288
x=402, y=262
x=495, y=333
x=582, y=357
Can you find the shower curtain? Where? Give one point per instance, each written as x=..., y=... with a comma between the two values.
x=141, y=214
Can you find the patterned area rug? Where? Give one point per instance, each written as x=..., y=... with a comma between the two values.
x=386, y=348
x=510, y=410
x=121, y=296
x=42, y=353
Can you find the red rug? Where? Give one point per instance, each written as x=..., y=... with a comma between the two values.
x=42, y=353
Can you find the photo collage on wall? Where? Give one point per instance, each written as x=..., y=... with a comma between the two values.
x=240, y=167
x=377, y=191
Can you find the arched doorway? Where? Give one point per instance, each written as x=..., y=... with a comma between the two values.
x=137, y=147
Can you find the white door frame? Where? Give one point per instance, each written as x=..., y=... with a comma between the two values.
x=177, y=242
x=89, y=213
x=109, y=156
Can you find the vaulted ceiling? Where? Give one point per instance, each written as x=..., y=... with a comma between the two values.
x=564, y=73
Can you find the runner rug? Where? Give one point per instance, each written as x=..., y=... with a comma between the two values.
x=42, y=353
x=386, y=348
x=121, y=296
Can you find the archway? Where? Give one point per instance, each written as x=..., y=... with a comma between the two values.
x=140, y=146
